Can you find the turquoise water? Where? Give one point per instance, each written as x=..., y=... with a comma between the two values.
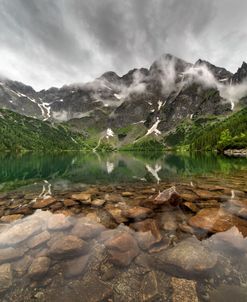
x=75, y=167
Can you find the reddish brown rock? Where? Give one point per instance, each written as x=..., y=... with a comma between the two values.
x=202, y=204
x=146, y=226
x=189, y=196
x=122, y=249
x=115, y=212
x=191, y=206
x=127, y=194
x=113, y=198
x=137, y=213
x=70, y=203
x=11, y=218
x=84, y=198
x=205, y=194
x=146, y=240
x=68, y=246
x=98, y=202
x=43, y=203
x=212, y=220
x=168, y=196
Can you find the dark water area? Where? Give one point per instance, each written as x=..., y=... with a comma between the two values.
x=123, y=227
x=78, y=168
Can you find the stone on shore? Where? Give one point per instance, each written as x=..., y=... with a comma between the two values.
x=169, y=196
x=98, y=202
x=11, y=218
x=43, y=203
x=84, y=198
x=137, y=213
x=115, y=212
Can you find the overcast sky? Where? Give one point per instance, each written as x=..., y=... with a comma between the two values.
x=47, y=43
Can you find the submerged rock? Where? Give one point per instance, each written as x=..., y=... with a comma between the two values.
x=87, y=230
x=39, y=267
x=58, y=222
x=76, y=267
x=217, y=220
x=122, y=249
x=38, y=239
x=10, y=254
x=186, y=258
x=5, y=277
x=20, y=232
x=68, y=246
x=183, y=290
x=149, y=288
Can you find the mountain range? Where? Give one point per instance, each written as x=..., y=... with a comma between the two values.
x=142, y=103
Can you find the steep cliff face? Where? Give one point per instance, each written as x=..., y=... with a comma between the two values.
x=170, y=91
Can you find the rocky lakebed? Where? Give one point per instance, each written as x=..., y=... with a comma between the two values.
x=171, y=241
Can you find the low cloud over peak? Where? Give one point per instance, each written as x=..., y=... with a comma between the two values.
x=51, y=43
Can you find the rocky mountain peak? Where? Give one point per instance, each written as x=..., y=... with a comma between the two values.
x=241, y=74
x=219, y=73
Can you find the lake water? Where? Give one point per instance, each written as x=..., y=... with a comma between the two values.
x=97, y=227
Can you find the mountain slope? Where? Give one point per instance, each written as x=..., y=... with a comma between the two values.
x=211, y=133
x=167, y=94
x=18, y=133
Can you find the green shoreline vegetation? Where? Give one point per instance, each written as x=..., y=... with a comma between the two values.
x=205, y=133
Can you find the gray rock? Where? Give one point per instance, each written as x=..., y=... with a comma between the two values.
x=186, y=258
x=39, y=267
x=20, y=232
x=5, y=277
x=38, y=240
x=11, y=254
x=76, y=267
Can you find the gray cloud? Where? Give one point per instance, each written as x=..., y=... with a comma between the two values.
x=53, y=42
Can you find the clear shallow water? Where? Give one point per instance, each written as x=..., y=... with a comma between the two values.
x=76, y=251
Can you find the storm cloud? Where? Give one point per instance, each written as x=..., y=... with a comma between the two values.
x=54, y=42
